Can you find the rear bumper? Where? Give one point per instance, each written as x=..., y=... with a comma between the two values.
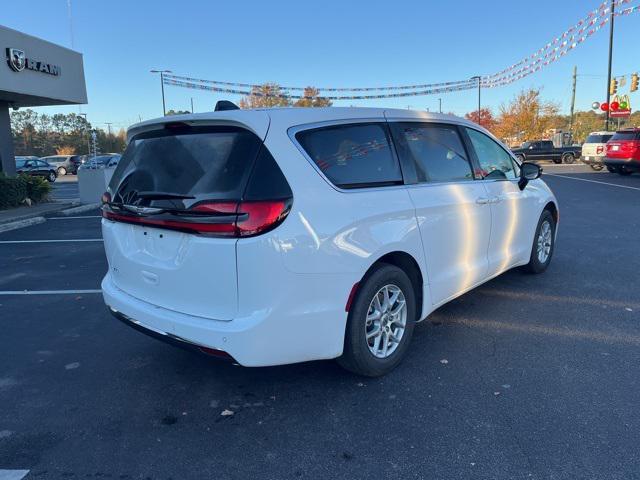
x=592, y=159
x=629, y=163
x=266, y=337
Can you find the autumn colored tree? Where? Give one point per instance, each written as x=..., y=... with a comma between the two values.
x=312, y=98
x=267, y=95
x=526, y=117
x=486, y=119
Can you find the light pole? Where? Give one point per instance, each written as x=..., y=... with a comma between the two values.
x=87, y=132
x=162, y=72
x=606, y=121
x=440, y=105
x=479, y=79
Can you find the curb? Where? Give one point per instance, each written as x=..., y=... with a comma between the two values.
x=5, y=227
x=80, y=209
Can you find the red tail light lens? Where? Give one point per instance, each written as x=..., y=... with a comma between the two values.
x=599, y=149
x=227, y=219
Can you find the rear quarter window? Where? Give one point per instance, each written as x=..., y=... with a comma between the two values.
x=353, y=155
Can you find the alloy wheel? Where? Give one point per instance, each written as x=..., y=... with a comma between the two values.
x=544, y=242
x=386, y=321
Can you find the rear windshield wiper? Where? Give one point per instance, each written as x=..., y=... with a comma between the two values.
x=163, y=196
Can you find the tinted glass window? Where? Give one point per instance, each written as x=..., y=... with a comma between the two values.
x=41, y=163
x=353, y=156
x=598, y=138
x=20, y=163
x=626, y=136
x=203, y=162
x=494, y=160
x=267, y=181
x=436, y=151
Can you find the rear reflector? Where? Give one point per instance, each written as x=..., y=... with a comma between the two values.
x=352, y=295
x=215, y=353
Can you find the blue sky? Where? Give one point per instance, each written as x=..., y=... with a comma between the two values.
x=329, y=43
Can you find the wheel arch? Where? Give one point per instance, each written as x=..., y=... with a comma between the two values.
x=407, y=263
x=553, y=209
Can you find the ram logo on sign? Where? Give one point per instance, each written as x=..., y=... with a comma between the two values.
x=18, y=61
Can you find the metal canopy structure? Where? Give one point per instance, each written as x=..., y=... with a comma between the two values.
x=35, y=73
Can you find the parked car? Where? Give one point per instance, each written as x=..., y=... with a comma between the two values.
x=25, y=157
x=286, y=235
x=64, y=163
x=544, y=150
x=623, y=152
x=594, y=149
x=37, y=168
x=101, y=161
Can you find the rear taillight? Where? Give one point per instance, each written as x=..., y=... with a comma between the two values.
x=224, y=219
x=599, y=149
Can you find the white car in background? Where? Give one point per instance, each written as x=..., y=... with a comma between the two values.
x=594, y=149
x=285, y=235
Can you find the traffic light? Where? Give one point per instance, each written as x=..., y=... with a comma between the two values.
x=634, y=82
x=613, y=86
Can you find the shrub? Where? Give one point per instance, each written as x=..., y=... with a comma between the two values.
x=13, y=191
x=38, y=189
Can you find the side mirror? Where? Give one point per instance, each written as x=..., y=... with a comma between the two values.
x=528, y=171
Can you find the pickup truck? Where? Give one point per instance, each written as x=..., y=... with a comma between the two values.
x=544, y=150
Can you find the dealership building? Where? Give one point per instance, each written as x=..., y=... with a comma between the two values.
x=36, y=73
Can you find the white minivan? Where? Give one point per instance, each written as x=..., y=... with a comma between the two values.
x=275, y=236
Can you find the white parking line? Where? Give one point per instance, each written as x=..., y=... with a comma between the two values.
x=13, y=474
x=52, y=241
x=47, y=292
x=592, y=181
x=74, y=218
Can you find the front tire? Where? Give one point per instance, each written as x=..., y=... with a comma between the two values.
x=612, y=169
x=520, y=158
x=569, y=158
x=624, y=171
x=544, y=243
x=380, y=323
x=62, y=171
x=51, y=177
x=596, y=167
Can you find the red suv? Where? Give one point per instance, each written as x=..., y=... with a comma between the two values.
x=623, y=152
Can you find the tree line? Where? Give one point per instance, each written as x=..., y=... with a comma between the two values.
x=41, y=134
x=527, y=117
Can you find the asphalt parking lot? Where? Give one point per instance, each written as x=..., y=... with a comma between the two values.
x=525, y=377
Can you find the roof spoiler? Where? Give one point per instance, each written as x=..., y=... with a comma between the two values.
x=223, y=105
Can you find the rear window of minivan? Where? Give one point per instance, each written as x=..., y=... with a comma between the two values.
x=200, y=162
x=353, y=155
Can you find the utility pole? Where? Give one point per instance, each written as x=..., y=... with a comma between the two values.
x=108, y=124
x=162, y=72
x=606, y=121
x=87, y=132
x=440, y=105
x=191, y=104
x=573, y=100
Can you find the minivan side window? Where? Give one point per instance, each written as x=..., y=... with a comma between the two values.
x=353, y=155
x=435, y=150
x=495, y=162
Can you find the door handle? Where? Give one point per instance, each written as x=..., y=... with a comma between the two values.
x=482, y=200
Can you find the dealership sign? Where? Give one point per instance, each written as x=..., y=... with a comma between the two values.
x=18, y=61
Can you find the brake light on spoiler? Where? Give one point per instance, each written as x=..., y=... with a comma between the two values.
x=222, y=219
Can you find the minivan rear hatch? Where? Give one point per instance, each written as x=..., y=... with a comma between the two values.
x=171, y=215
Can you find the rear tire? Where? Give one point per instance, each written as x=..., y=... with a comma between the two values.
x=544, y=242
x=568, y=158
x=51, y=177
x=624, y=171
x=62, y=171
x=376, y=338
x=596, y=167
x=612, y=169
